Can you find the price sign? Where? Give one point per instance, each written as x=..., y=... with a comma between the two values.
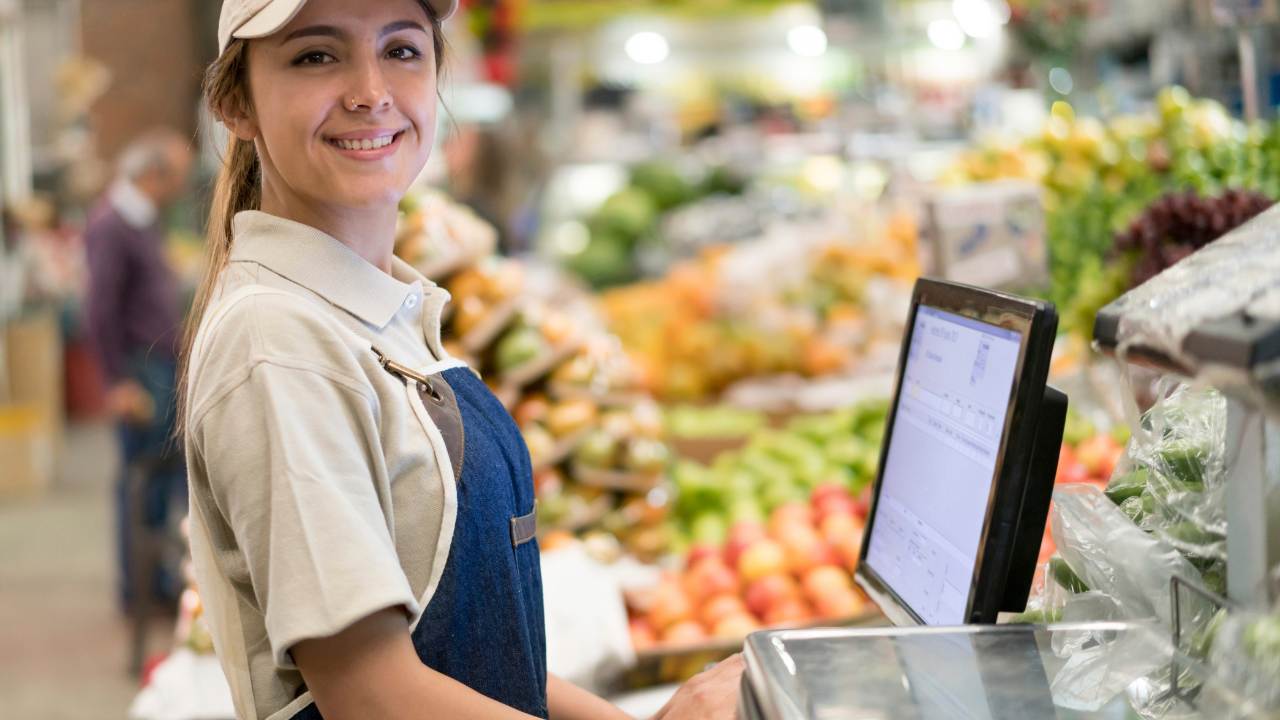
x=990, y=235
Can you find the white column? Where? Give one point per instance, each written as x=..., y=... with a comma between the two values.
x=15, y=120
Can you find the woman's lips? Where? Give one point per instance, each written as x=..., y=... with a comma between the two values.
x=366, y=148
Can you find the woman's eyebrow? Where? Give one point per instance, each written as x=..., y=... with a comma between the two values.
x=314, y=31
x=399, y=25
x=335, y=32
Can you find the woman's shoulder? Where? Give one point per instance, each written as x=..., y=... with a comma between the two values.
x=248, y=324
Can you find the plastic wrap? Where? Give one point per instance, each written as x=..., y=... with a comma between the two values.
x=1160, y=314
x=1172, y=481
x=1124, y=571
x=1100, y=667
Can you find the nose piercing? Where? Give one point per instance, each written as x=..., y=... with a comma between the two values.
x=355, y=105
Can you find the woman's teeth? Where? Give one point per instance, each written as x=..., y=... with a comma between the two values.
x=366, y=144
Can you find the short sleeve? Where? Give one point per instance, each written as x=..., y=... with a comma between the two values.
x=290, y=457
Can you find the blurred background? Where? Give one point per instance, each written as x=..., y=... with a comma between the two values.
x=680, y=237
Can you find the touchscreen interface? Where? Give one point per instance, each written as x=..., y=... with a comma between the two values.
x=941, y=461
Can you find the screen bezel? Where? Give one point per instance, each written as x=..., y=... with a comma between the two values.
x=1037, y=322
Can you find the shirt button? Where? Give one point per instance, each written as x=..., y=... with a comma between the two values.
x=412, y=302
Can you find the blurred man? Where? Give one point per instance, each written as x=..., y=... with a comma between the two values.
x=134, y=315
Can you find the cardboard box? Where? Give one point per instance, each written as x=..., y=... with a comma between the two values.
x=26, y=452
x=33, y=350
x=989, y=235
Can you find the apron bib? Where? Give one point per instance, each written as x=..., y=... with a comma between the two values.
x=484, y=624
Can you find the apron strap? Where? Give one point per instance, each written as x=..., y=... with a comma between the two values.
x=525, y=527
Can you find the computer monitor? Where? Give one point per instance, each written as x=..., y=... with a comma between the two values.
x=968, y=459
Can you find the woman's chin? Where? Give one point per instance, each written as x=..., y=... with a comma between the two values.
x=369, y=197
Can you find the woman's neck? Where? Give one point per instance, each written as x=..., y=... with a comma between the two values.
x=369, y=232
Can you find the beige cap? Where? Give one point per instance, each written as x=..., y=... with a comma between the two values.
x=260, y=18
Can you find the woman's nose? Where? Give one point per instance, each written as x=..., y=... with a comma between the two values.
x=369, y=91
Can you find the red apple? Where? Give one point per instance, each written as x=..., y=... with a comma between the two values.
x=789, y=611
x=764, y=557
x=849, y=550
x=709, y=577
x=719, y=607
x=826, y=490
x=836, y=505
x=670, y=606
x=835, y=527
x=838, y=604
x=807, y=550
x=642, y=635
x=686, y=632
x=735, y=627
x=1099, y=455
x=741, y=536
x=769, y=591
x=788, y=515
x=698, y=552
x=823, y=580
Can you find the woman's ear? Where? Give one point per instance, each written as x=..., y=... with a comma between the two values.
x=239, y=120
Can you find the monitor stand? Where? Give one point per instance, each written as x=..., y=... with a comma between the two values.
x=1029, y=530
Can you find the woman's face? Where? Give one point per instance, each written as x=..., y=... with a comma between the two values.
x=344, y=102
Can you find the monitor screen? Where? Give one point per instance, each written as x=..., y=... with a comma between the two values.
x=940, y=463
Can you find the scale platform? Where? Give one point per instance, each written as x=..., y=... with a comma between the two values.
x=1001, y=672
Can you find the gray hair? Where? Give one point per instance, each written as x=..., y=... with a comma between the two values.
x=148, y=152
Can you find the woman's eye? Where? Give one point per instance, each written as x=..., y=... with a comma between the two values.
x=314, y=58
x=404, y=52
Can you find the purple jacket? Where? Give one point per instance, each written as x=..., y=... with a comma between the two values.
x=133, y=306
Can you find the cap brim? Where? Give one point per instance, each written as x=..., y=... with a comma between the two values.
x=277, y=14
x=269, y=19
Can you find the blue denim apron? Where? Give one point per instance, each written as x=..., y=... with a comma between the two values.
x=484, y=625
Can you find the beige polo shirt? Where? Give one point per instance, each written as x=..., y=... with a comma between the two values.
x=321, y=492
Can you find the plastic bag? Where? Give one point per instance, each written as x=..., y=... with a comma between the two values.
x=1113, y=557
x=1172, y=482
x=1100, y=666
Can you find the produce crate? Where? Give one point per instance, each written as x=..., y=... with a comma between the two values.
x=705, y=450
x=677, y=664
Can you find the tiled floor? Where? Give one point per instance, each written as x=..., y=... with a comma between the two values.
x=63, y=645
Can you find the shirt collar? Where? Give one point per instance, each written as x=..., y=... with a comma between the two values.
x=133, y=205
x=325, y=266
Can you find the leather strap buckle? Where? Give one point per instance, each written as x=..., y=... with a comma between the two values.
x=525, y=527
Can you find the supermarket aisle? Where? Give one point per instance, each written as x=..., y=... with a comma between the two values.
x=62, y=642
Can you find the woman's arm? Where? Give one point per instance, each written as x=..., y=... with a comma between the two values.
x=713, y=695
x=370, y=671
x=567, y=701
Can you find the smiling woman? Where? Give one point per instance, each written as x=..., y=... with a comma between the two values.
x=362, y=521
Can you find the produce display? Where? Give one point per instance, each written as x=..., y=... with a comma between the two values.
x=1099, y=177
x=628, y=219
x=795, y=569
x=1180, y=223
x=776, y=468
x=595, y=438
x=439, y=236
x=705, y=326
x=1089, y=455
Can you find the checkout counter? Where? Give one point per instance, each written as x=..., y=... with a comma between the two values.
x=959, y=508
